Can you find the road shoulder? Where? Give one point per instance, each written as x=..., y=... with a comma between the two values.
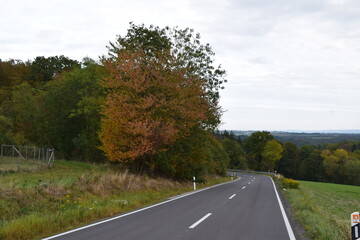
x=298, y=229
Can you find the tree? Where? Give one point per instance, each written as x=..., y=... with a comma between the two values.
x=149, y=106
x=161, y=89
x=22, y=113
x=43, y=69
x=334, y=163
x=72, y=111
x=13, y=72
x=254, y=148
x=352, y=169
x=289, y=163
x=235, y=153
x=271, y=153
x=5, y=130
x=198, y=154
x=185, y=47
x=311, y=165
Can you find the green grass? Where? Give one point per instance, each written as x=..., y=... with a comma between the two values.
x=324, y=209
x=72, y=194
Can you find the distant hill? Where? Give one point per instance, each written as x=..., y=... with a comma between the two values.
x=348, y=131
x=309, y=137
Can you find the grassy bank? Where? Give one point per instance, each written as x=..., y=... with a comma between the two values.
x=41, y=203
x=324, y=209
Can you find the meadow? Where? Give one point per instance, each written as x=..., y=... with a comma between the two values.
x=324, y=208
x=42, y=202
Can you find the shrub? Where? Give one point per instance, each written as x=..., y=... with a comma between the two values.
x=290, y=183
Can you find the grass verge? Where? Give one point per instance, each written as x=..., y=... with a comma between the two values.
x=72, y=194
x=324, y=209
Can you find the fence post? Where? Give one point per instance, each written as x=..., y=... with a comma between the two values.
x=51, y=157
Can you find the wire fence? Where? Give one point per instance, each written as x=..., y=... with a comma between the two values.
x=44, y=156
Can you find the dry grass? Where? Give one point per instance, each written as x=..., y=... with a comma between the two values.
x=110, y=182
x=19, y=165
x=38, y=204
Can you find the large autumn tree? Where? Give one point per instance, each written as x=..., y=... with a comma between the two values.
x=183, y=44
x=157, y=92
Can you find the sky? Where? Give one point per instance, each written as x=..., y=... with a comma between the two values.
x=291, y=64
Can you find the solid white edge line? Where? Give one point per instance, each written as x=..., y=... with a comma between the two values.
x=200, y=220
x=232, y=196
x=136, y=211
x=286, y=220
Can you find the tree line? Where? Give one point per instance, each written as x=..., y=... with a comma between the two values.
x=149, y=104
x=333, y=162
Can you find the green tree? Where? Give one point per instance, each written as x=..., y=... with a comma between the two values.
x=334, y=163
x=254, y=147
x=72, y=108
x=44, y=69
x=22, y=113
x=352, y=168
x=289, y=163
x=271, y=153
x=235, y=153
x=6, y=130
x=311, y=165
x=199, y=155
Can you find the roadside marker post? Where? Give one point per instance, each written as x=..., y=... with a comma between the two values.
x=355, y=226
x=194, y=183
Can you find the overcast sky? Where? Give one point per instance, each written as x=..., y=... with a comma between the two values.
x=292, y=64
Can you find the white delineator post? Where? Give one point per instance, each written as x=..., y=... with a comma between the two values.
x=355, y=226
x=194, y=183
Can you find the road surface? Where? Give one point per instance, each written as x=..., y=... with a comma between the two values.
x=245, y=209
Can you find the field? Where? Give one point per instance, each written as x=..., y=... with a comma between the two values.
x=41, y=202
x=324, y=209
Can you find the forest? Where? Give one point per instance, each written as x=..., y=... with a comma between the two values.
x=331, y=162
x=150, y=105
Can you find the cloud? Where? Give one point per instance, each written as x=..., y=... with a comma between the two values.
x=295, y=62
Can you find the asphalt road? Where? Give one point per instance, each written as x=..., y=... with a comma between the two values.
x=246, y=209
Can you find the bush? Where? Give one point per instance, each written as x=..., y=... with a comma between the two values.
x=290, y=183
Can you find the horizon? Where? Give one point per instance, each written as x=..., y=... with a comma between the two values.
x=325, y=131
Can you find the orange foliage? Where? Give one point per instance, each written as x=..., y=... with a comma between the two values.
x=150, y=104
